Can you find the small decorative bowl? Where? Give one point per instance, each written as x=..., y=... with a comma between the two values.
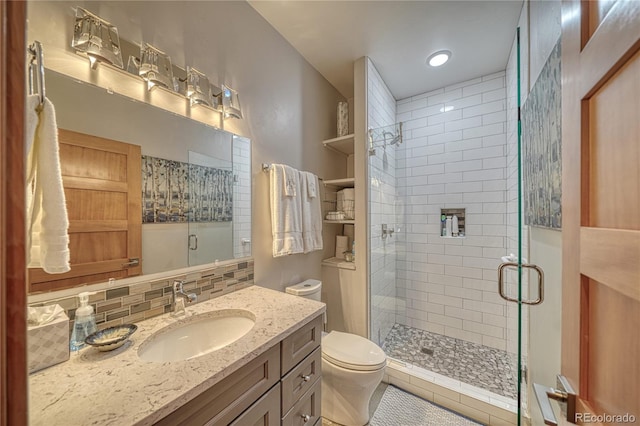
x=111, y=338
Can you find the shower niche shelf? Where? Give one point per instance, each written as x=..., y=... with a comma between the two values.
x=448, y=215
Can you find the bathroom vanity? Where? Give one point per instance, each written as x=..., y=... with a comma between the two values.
x=271, y=375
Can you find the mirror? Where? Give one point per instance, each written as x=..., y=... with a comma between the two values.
x=220, y=221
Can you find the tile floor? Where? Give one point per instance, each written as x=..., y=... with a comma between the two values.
x=391, y=406
x=481, y=366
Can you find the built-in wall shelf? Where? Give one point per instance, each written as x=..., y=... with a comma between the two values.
x=343, y=144
x=337, y=262
x=342, y=183
x=345, y=221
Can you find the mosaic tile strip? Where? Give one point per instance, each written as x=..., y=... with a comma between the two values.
x=137, y=302
x=488, y=368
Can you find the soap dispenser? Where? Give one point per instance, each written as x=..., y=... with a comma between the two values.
x=84, y=324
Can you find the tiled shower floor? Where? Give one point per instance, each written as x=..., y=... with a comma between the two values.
x=481, y=366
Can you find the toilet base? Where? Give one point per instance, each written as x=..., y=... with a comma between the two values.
x=346, y=393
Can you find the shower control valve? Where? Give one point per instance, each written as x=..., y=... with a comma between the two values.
x=387, y=231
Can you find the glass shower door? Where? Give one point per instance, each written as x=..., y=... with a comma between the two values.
x=539, y=293
x=210, y=211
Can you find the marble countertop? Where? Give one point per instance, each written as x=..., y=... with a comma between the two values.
x=118, y=388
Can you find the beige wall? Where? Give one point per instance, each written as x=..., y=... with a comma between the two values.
x=288, y=106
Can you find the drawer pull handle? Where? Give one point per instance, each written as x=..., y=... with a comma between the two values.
x=306, y=418
x=306, y=378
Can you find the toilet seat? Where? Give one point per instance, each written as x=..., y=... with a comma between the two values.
x=352, y=352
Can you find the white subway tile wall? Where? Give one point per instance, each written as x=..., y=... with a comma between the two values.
x=242, y=197
x=381, y=107
x=455, y=155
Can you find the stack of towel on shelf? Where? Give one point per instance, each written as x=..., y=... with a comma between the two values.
x=346, y=202
x=296, y=217
x=47, y=221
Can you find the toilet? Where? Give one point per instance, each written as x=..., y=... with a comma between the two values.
x=352, y=368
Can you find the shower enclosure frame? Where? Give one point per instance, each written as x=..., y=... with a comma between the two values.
x=519, y=281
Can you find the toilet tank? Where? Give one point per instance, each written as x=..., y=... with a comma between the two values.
x=309, y=289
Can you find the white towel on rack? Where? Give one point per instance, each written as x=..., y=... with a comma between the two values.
x=290, y=181
x=311, y=213
x=286, y=211
x=312, y=185
x=47, y=221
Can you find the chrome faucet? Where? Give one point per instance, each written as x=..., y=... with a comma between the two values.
x=185, y=298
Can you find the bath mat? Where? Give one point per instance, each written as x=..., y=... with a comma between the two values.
x=399, y=408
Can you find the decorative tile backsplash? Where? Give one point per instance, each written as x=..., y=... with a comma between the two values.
x=140, y=301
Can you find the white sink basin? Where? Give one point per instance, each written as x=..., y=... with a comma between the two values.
x=197, y=335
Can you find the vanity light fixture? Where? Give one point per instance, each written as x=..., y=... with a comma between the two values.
x=230, y=102
x=155, y=67
x=198, y=88
x=96, y=39
x=439, y=58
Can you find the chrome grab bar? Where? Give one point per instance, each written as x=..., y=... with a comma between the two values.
x=501, y=288
x=36, y=71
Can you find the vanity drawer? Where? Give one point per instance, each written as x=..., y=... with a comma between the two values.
x=264, y=412
x=301, y=379
x=306, y=411
x=301, y=343
x=223, y=402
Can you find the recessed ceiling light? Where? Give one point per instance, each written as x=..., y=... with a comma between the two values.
x=439, y=58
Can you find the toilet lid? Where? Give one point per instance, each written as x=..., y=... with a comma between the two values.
x=352, y=352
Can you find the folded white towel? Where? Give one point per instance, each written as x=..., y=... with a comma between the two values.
x=311, y=214
x=286, y=211
x=47, y=221
x=346, y=202
x=290, y=180
x=312, y=186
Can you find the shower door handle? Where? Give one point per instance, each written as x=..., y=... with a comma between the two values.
x=503, y=293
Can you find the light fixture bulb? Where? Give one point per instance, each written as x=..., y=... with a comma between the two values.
x=93, y=61
x=439, y=58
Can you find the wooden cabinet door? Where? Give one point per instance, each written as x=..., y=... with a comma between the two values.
x=101, y=179
x=601, y=205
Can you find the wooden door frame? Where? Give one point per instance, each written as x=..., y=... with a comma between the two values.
x=584, y=60
x=13, y=290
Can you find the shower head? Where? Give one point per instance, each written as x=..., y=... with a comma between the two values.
x=395, y=139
